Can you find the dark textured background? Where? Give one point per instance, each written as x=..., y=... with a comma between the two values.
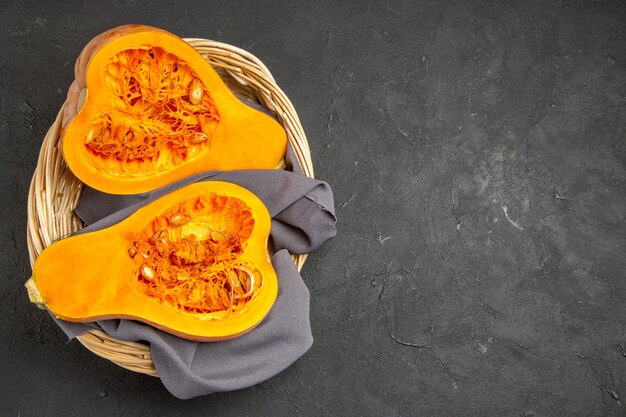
x=477, y=151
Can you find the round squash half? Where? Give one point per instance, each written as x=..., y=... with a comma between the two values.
x=193, y=263
x=146, y=109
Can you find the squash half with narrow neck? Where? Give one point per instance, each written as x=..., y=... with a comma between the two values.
x=193, y=263
x=146, y=109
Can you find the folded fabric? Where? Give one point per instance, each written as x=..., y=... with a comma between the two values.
x=301, y=207
x=303, y=218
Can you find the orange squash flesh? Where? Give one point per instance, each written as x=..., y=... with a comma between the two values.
x=146, y=110
x=193, y=263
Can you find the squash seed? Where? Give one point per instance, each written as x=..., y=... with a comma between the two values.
x=160, y=236
x=89, y=135
x=146, y=272
x=179, y=219
x=195, y=91
x=199, y=137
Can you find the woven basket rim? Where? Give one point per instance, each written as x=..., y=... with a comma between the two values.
x=54, y=191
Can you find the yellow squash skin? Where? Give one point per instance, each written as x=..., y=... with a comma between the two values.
x=243, y=138
x=91, y=276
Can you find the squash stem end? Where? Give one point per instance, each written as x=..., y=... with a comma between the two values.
x=33, y=293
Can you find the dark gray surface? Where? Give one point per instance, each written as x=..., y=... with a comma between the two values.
x=427, y=118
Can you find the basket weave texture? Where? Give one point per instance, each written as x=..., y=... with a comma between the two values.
x=55, y=191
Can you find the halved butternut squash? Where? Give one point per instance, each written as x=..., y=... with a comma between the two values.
x=146, y=109
x=193, y=263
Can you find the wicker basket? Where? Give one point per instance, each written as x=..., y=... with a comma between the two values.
x=54, y=191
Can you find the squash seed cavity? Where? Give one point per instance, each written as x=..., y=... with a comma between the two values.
x=192, y=256
x=156, y=111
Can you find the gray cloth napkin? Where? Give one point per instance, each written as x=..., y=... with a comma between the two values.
x=303, y=218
